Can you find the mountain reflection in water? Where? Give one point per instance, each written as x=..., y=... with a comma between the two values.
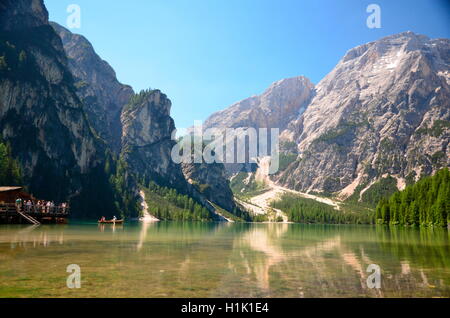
x=223, y=260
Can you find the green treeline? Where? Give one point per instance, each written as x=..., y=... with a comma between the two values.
x=383, y=188
x=10, y=174
x=123, y=184
x=303, y=210
x=168, y=205
x=426, y=203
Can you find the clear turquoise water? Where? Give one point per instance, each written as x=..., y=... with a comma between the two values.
x=223, y=260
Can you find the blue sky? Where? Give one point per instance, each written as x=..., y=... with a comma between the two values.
x=206, y=55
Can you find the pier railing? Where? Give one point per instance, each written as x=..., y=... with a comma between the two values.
x=34, y=209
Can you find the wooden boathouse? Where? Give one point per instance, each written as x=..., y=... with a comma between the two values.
x=28, y=211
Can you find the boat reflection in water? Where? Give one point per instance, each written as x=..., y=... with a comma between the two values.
x=223, y=260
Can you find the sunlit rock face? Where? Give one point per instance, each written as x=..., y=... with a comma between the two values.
x=41, y=116
x=143, y=128
x=147, y=125
x=147, y=146
x=211, y=181
x=384, y=109
x=147, y=139
x=281, y=103
x=63, y=111
x=97, y=86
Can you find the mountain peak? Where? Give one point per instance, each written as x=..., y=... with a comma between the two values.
x=408, y=41
x=282, y=102
x=22, y=14
x=372, y=109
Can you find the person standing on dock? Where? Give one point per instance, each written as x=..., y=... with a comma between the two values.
x=39, y=206
x=19, y=202
x=28, y=206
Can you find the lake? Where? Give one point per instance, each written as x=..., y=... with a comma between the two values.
x=193, y=260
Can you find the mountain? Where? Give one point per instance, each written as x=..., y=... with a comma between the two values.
x=23, y=15
x=281, y=103
x=147, y=147
x=147, y=140
x=75, y=133
x=211, y=181
x=41, y=116
x=103, y=95
x=383, y=110
x=137, y=127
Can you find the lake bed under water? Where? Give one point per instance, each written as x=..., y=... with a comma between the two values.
x=197, y=260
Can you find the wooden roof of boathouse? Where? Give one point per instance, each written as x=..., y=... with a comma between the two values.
x=10, y=194
x=8, y=189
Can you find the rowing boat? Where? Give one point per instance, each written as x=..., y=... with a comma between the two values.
x=111, y=222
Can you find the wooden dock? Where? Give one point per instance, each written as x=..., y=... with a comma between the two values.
x=12, y=214
x=20, y=207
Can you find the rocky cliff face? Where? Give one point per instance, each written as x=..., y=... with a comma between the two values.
x=147, y=147
x=41, y=116
x=62, y=110
x=147, y=125
x=97, y=86
x=281, y=103
x=147, y=139
x=384, y=109
x=210, y=180
x=22, y=14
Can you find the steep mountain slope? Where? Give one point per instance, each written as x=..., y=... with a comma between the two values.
x=97, y=86
x=41, y=116
x=384, y=109
x=211, y=181
x=147, y=140
x=147, y=147
x=143, y=128
x=66, y=121
x=281, y=103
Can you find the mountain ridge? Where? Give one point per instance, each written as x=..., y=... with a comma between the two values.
x=385, y=101
x=103, y=95
x=283, y=99
x=41, y=116
x=65, y=116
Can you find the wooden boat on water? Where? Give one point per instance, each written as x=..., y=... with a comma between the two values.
x=110, y=221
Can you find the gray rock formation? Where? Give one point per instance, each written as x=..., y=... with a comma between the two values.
x=281, y=103
x=147, y=147
x=97, y=86
x=147, y=139
x=41, y=116
x=384, y=109
x=16, y=15
x=211, y=181
x=62, y=114
x=146, y=134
